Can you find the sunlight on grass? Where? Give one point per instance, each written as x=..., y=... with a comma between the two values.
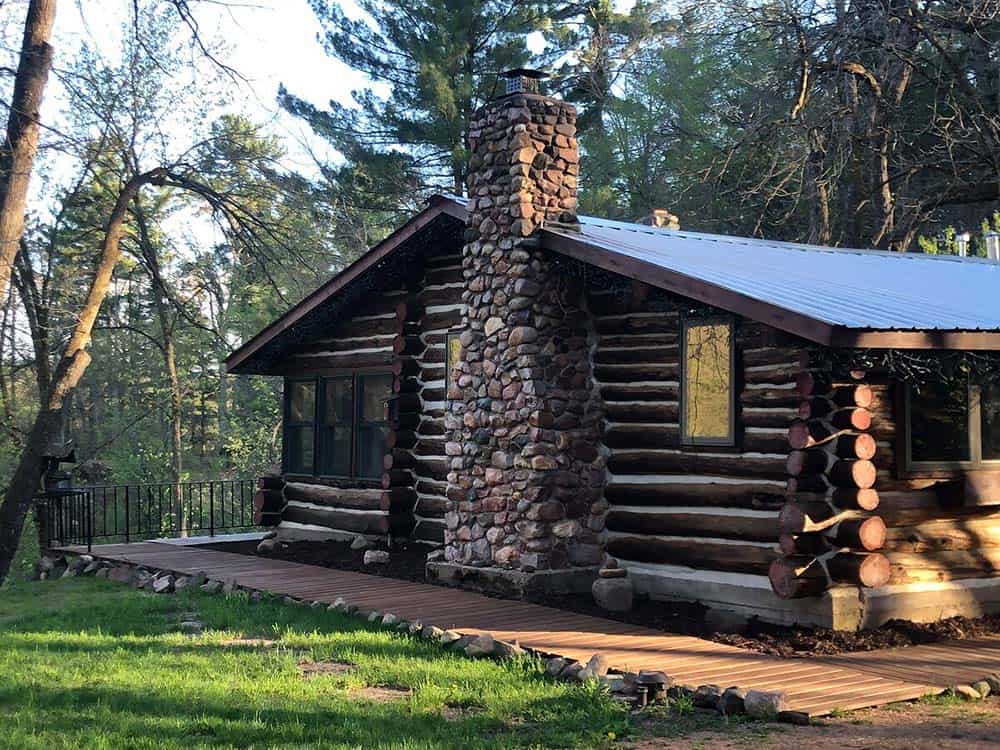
x=86, y=663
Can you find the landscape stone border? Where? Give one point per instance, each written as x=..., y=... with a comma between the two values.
x=638, y=689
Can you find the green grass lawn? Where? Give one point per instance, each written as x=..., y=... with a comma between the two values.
x=87, y=663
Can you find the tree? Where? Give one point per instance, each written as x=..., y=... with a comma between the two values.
x=17, y=153
x=439, y=61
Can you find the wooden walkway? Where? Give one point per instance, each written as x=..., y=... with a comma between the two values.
x=815, y=686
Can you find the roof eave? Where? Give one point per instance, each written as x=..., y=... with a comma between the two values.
x=438, y=205
x=818, y=331
x=856, y=338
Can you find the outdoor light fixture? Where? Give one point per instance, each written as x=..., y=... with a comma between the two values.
x=992, y=240
x=962, y=243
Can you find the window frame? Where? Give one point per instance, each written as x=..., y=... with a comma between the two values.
x=287, y=423
x=319, y=381
x=731, y=440
x=944, y=469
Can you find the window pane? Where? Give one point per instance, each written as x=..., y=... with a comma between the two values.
x=372, y=427
x=339, y=401
x=300, y=449
x=991, y=422
x=454, y=356
x=371, y=449
x=939, y=422
x=302, y=405
x=707, y=381
x=376, y=391
x=338, y=415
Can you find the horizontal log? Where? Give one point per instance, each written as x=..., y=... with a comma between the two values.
x=633, y=373
x=405, y=367
x=268, y=501
x=654, y=462
x=397, y=478
x=694, y=553
x=409, y=309
x=374, y=522
x=638, y=355
x=638, y=339
x=428, y=532
x=966, y=533
x=442, y=320
x=640, y=392
x=336, y=497
x=662, y=323
x=808, y=483
x=807, y=433
x=943, y=565
x=368, y=328
x=404, y=439
x=642, y=413
x=799, y=517
x=780, y=398
x=854, y=445
x=262, y=518
x=869, y=570
x=855, y=418
x=408, y=346
x=809, y=461
x=813, y=383
x=847, y=498
x=811, y=544
x=797, y=576
x=270, y=482
x=714, y=495
x=340, y=361
x=755, y=442
x=767, y=418
x=857, y=473
x=868, y=534
x=853, y=395
x=770, y=356
x=642, y=436
x=718, y=524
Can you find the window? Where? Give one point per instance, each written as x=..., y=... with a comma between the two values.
x=299, y=425
x=707, y=382
x=952, y=426
x=336, y=426
x=454, y=354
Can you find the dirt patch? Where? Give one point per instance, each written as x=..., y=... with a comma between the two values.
x=381, y=693
x=454, y=712
x=407, y=562
x=943, y=726
x=310, y=669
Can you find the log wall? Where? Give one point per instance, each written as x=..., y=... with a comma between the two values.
x=371, y=340
x=702, y=508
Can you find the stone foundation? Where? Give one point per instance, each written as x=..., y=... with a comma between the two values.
x=516, y=583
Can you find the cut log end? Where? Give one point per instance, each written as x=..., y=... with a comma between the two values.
x=796, y=577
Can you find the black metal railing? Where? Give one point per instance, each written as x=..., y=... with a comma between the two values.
x=104, y=514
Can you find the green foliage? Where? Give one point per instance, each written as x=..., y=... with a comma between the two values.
x=92, y=664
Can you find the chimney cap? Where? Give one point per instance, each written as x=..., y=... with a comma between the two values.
x=524, y=73
x=523, y=80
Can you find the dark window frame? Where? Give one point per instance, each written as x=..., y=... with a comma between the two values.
x=943, y=469
x=731, y=440
x=287, y=423
x=319, y=381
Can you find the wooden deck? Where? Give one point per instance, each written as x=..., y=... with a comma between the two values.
x=815, y=686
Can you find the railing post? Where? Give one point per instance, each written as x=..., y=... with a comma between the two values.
x=90, y=521
x=211, y=509
x=126, y=516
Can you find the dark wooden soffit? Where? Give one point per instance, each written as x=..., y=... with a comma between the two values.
x=243, y=359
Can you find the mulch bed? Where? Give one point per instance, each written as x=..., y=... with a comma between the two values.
x=682, y=618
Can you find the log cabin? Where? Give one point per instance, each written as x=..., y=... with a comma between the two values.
x=736, y=421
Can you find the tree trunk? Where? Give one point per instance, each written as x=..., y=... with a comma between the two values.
x=17, y=153
x=73, y=363
x=169, y=350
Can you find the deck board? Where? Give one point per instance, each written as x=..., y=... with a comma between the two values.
x=815, y=686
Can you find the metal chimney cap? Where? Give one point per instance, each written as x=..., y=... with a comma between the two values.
x=523, y=80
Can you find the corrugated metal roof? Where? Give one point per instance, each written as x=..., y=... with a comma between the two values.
x=862, y=289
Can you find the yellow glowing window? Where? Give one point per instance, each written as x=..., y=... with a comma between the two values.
x=454, y=357
x=707, y=404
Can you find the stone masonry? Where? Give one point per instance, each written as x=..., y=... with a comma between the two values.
x=527, y=473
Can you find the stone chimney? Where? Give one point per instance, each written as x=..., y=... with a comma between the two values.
x=526, y=478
